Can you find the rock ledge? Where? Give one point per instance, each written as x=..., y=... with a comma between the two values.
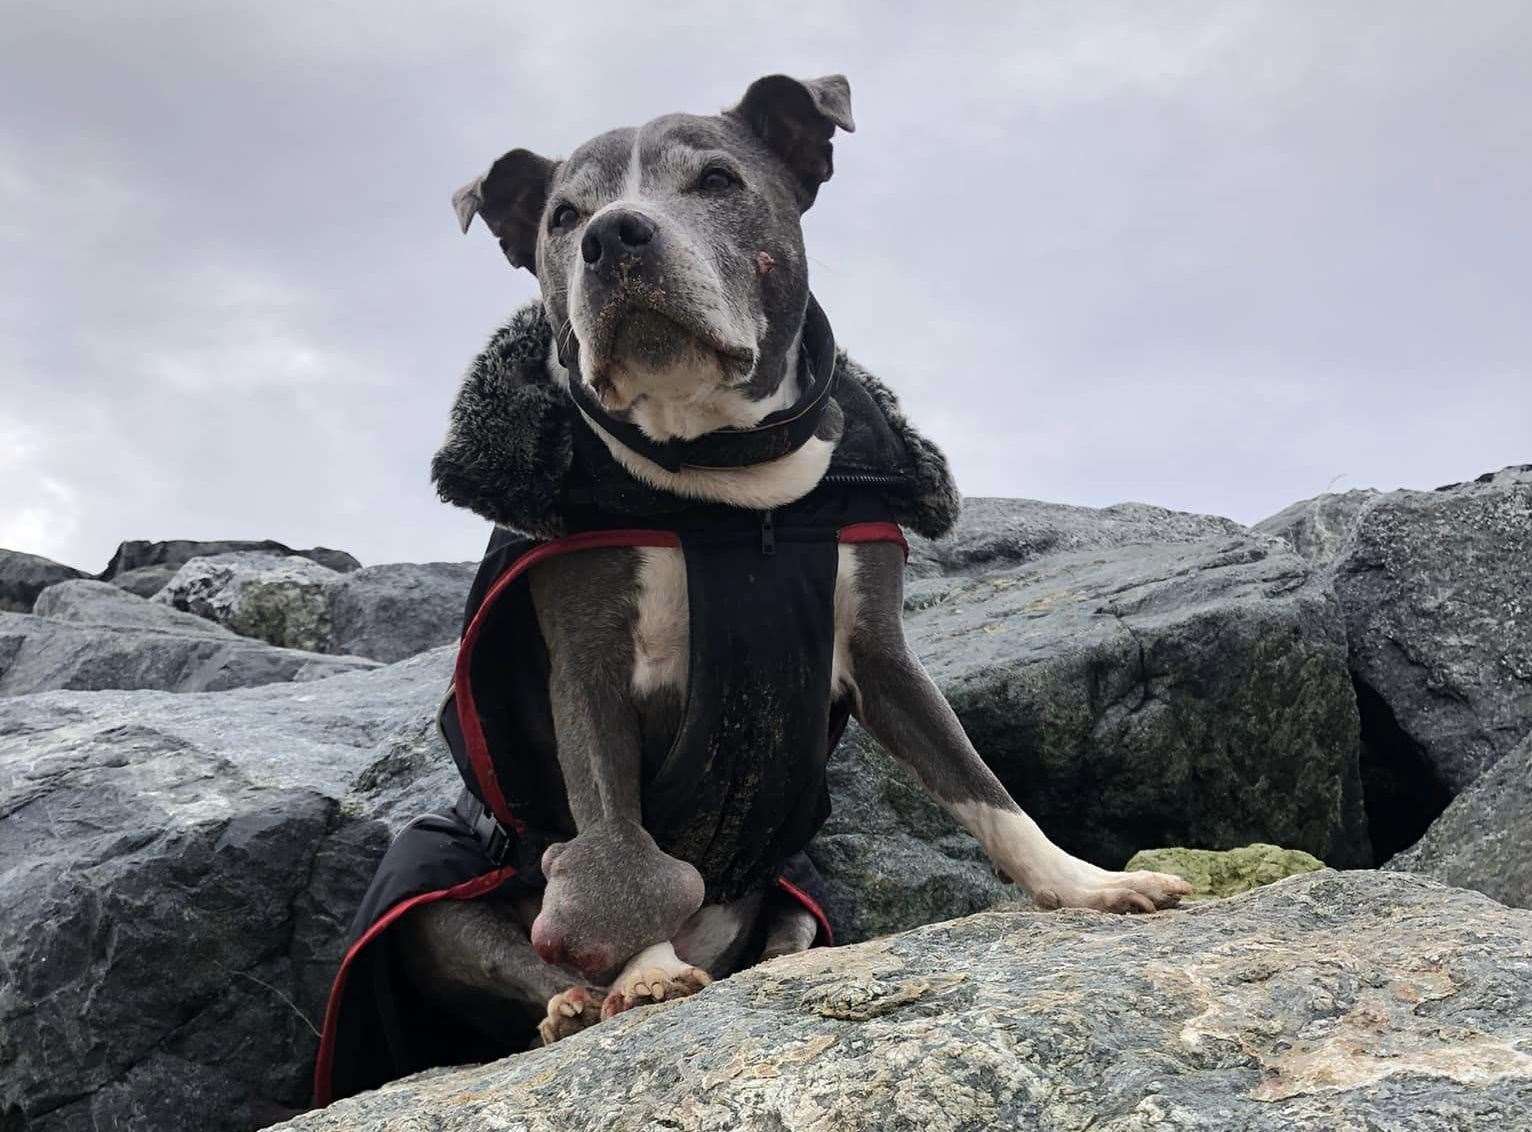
x=1333, y=1000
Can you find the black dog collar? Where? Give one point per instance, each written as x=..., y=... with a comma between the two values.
x=777, y=434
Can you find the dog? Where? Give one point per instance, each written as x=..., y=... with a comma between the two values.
x=671, y=264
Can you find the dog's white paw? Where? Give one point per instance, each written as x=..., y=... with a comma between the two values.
x=643, y=986
x=1107, y=891
x=569, y=1012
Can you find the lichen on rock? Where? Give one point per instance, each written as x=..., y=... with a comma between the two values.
x=1227, y=872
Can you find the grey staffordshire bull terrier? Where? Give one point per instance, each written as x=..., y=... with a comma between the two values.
x=670, y=257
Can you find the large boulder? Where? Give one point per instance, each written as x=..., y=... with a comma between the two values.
x=139, y=553
x=399, y=609
x=178, y=874
x=282, y=600
x=146, y=581
x=1163, y=680
x=1434, y=587
x=1483, y=840
x=86, y=601
x=1165, y=686
x=1318, y=529
x=144, y=568
x=386, y=612
x=24, y=576
x=993, y=533
x=1334, y=1001
x=890, y=856
x=229, y=837
x=41, y=654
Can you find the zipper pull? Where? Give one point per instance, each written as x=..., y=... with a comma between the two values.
x=768, y=535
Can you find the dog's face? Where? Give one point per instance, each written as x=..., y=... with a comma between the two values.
x=670, y=256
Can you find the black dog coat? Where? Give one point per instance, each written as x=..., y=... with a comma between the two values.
x=739, y=789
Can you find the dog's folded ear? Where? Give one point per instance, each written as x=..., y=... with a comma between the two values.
x=510, y=198
x=796, y=119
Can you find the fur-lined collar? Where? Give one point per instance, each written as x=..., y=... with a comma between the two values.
x=517, y=450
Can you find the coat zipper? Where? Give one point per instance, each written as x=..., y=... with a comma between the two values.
x=861, y=479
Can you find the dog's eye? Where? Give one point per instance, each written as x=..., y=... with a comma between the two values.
x=565, y=217
x=716, y=179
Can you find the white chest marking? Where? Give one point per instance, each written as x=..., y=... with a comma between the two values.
x=662, y=629
x=847, y=603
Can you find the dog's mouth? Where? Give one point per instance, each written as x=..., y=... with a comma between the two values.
x=633, y=338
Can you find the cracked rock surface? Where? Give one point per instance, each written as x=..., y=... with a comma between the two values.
x=386, y=612
x=1483, y=840
x=45, y=654
x=24, y=576
x=1191, y=691
x=1354, y=1002
x=178, y=873
x=1436, y=588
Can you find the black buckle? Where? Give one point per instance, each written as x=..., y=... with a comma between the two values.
x=491, y=834
x=496, y=841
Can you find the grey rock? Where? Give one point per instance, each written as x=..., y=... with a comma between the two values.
x=24, y=576
x=995, y=533
x=282, y=600
x=1483, y=840
x=86, y=601
x=393, y=611
x=1435, y=589
x=178, y=876
x=141, y=553
x=137, y=805
x=1318, y=529
x=39, y=654
x=386, y=612
x=1175, y=693
x=1361, y=1001
x=146, y=581
x=337, y=560
x=890, y=856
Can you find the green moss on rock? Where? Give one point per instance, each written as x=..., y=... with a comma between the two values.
x=1227, y=872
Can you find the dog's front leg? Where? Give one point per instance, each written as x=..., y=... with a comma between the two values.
x=897, y=701
x=611, y=891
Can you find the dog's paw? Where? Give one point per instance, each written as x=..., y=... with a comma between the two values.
x=647, y=985
x=1115, y=892
x=570, y=1011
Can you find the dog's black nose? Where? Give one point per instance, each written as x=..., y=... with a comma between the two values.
x=615, y=232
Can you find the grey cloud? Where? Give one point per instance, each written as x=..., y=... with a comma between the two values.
x=1209, y=255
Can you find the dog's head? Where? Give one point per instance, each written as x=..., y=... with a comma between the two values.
x=670, y=255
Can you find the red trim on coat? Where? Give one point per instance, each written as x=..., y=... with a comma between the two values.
x=467, y=711
x=874, y=532
x=812, y=906
x=484, y=770
x=467, y=890
x=472, y=889
x=462, y=685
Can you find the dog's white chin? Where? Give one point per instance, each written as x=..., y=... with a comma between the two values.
x=693, y=395
x=689, y=403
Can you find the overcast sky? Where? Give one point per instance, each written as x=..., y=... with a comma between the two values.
x=1215, y=256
